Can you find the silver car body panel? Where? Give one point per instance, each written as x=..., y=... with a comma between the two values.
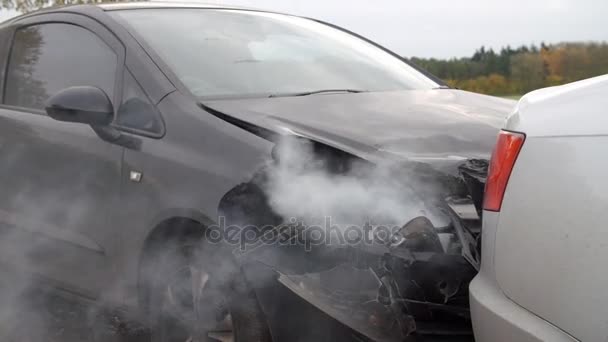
x=545, y=252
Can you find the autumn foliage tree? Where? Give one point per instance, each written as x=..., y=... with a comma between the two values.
x=517, y=71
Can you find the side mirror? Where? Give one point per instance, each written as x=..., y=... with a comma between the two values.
x=88, y=105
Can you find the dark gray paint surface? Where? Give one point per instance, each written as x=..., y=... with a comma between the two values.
x=413, y=124
x=60, y=184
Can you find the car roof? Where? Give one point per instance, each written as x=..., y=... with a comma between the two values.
x=164, y=4
x=131, y=6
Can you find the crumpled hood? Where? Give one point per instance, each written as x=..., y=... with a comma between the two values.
x=417, y=124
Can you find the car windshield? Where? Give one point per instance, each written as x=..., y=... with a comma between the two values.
x=238, y=53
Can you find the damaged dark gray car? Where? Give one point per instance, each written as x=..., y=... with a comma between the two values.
x=183, y=162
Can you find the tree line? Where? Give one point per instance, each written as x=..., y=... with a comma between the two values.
x=518, y=71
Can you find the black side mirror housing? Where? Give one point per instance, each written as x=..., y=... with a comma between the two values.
x=91, y=106
x=84, y=104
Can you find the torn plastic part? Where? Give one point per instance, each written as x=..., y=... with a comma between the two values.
x=475, y=168
x=474, y=173
x=383, y=304
x=389, y=294
x=418, y=235
x=446, y=240
x=359, y=309
x=469, y=243
x=408, y=286
x=464, y=208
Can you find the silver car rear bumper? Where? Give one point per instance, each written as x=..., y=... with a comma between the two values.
x=495, y=317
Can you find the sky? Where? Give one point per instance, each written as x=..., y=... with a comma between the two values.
x=450, y=28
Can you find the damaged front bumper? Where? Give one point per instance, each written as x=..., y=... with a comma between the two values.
x=406, y=288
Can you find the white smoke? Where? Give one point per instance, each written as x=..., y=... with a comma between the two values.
x=301, y=186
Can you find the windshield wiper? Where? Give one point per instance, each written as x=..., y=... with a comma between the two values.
x=353, y=91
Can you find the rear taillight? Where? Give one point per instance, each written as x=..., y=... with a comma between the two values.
x=503, y=158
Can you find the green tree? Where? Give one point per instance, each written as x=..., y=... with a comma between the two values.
x=528, y=70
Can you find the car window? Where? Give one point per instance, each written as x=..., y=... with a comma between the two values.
x=136, y=111
x=47, y=58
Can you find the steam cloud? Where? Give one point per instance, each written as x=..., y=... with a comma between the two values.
x=301, y=186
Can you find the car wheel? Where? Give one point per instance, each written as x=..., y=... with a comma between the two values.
x=197, y=295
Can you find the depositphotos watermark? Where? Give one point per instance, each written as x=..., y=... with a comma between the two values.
x=296, y=232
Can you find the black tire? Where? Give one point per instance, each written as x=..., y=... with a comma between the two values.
x=224, y=294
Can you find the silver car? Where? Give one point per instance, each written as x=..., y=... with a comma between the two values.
x=544, y=236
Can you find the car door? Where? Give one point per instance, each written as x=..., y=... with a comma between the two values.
x=60, y=182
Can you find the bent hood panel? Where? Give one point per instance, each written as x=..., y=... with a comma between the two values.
x=429, y=124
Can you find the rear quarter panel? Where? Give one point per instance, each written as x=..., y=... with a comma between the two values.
x=552, y=236
x=574, y=109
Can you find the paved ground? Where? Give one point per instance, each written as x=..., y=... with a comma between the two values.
x=35, y=315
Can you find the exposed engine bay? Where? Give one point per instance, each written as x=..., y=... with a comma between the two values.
x=404, y=284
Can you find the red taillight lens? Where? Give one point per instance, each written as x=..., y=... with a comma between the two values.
x=503, y=158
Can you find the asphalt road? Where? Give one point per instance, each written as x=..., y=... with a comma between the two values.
x=39, y=315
